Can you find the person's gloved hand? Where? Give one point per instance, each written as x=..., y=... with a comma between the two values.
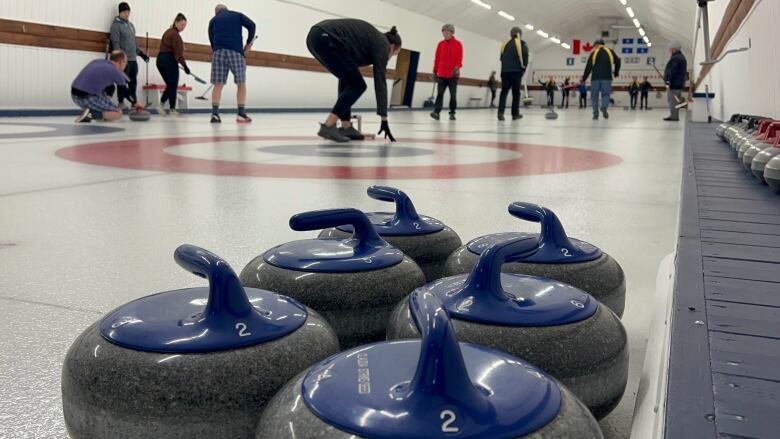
x=456, y=72
x=385, y=128
x=144, y=56
x=186, y=69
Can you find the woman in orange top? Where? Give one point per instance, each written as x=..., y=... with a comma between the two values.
x=168, y=59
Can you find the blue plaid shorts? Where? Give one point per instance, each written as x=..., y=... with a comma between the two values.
x=95, y=103
x=224, y=60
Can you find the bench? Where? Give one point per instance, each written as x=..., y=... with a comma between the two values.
x=157, y=89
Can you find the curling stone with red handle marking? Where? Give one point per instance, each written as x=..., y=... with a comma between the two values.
x=432, y=388
x=561, y=258
x=426, y=240
x=354, y=282
x=558, y=328
x=197, y=362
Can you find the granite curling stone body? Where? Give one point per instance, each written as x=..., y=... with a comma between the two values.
x=425, y=389
x=556, y=327
x=353, y=282
x=426, y=240
x=561, y=258
x=197, y=362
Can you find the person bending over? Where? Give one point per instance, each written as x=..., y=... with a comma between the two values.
x=549, y=87
x=168, y=59
x=446, y=70
x=88, y=90
x=229, y=55
x=343, y=46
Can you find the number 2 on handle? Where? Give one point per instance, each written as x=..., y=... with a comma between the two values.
x=242, y=329
x=449, y=417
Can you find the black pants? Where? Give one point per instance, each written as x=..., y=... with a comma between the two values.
x=169, y=69
x=643, y=101
x=443, y=85
x=129, y=92
x=492, y=96
x=634, y=97
x=334, y=57
x=550, y=98
x=510, y=81
x=565, y=99
x=584, y=100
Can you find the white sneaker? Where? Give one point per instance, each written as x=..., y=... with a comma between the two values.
x=84, y=117
x=160, y=110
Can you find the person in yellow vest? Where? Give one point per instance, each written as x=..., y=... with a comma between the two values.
x=604, y=65
x=514, y=61
x=633, y=91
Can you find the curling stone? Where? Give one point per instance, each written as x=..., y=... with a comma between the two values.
x=755, y=127
x=354, y=282
x=759, y=162
x=554, y=326
x=197, y=362
x=721, y=129
x=735, y=134
x=552, y=115
x=752, y=148
x=426, y=389
x=767, y=129
x=772, y=173
x=139, y=116
x=561, y=258
x=426, y=240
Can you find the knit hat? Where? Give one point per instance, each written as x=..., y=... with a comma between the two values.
x=675, y=45
x=448, y=27
x=123, y=7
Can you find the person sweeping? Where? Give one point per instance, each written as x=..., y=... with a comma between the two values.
x=171, y=54
x=343, y=46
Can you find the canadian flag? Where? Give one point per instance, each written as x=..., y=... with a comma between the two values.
x=575, y=47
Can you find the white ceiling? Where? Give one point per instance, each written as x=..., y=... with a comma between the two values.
x=666, y=19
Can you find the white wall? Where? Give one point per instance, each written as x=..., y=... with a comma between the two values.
x=746, y=82
x=40, y=78
x=552, y=62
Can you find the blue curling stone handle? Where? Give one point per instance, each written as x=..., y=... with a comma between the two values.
x=365, y=250
x=430, y=388
x=200, y=320
x=405, y=221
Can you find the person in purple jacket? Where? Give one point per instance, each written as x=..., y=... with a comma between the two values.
x=88, y=89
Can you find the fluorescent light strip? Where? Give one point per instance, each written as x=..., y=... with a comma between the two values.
x=642, y=32
x=555, y=40
x=649, y=44
x=481, y=3
x=529, y=26
x=565, y=46
x=630, y=12
x=542, y=33
x=623, y=2
x=636, y=23
x=647, y=40
x=507, y=16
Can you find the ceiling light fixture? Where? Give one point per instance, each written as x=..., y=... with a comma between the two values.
x=529, y=26
x=649, y=44
x=481, y=3
x=542, y=33
x=647, y=40
x=555, y=40
x=630, y=12
x=507, y=16
x=642, y=32
x=565, y=46
x=636, y=23
x=623, y=2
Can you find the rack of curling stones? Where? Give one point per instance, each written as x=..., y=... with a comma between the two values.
x=353, y=281
x=196, y=362
x=425, y=240
x=557, y=327
x=435, y=387
x=568, y=260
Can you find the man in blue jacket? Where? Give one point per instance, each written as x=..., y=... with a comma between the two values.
x=228, y=55
x=674, y=76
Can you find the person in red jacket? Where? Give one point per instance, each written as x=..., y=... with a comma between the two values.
x=446, y=69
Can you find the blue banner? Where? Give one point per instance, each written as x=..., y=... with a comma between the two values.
x=569, y=61
x=642, y=50
x=628, y=50
x=628, y=41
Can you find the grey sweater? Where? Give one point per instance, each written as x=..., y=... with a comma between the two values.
x=123, y=38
